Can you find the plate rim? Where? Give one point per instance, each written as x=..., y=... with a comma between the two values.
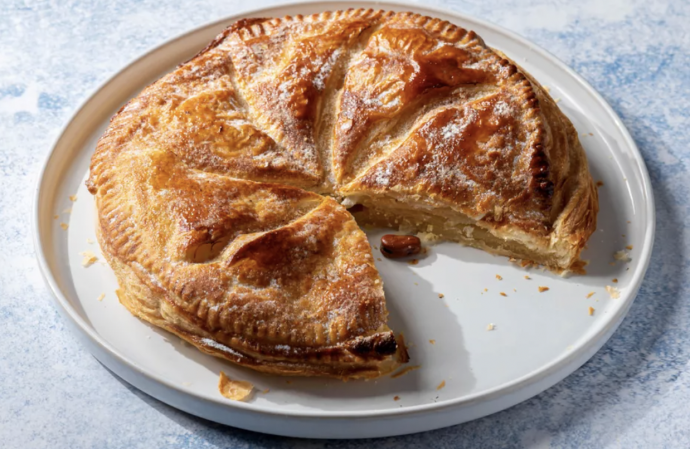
x=504, y=389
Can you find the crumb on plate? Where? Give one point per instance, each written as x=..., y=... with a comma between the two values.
x=64, y=226
x=502, y=294
x=73, y=198
x=527, y=277
x=441, y=295
x=629, y=247
x=396, y=398
x=542, y=289
x=89, y=258
x=441, y=385
x=490, y=326
x=590, y=294
x=101, y=296
x=614, y=280
x=433, y=342
x=404, y=371
x=600, y=183
x=622, y=255
x=613, y=292
x=236, y=390
x=498, y=276
x=590, y=310
x=413, y=262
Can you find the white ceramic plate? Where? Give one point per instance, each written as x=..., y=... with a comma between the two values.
x=539, y=338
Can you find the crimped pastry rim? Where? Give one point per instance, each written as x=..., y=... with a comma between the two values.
x=579, y=353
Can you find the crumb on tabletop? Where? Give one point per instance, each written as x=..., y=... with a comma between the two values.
x=543, y=289
x=490, y=326
x=379, y=259
x=590, y=294
x=613, y=292
x=441, y=295
x=236, y=390
x=441, y=385
x=498, y=276
x=64, y=226
x=433, y=342
x=396, y=398
x=101, y=296
x=590, y=310
x=503, y=294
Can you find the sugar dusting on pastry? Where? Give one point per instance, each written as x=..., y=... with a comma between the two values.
x=236, y=390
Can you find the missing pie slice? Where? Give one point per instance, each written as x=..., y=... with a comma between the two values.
x=218, y=186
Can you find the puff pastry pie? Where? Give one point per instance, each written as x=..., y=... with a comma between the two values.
x=222, y=188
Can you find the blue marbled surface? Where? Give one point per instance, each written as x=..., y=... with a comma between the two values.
x=635, y=392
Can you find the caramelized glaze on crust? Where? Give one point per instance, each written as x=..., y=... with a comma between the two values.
x=208, y=183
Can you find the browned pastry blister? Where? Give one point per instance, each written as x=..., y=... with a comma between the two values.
x=218, y=187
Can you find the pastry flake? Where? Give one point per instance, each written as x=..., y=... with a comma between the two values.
x=236, y=390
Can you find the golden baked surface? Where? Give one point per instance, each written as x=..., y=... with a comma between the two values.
x=209, y=184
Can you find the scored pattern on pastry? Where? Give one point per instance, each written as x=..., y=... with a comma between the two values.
x=208, y=183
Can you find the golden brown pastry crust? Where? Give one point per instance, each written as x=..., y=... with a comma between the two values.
x=207, y=183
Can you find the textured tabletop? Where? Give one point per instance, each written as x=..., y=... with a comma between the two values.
x=635, y=392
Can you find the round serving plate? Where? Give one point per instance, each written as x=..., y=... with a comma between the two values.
x=444, y=305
